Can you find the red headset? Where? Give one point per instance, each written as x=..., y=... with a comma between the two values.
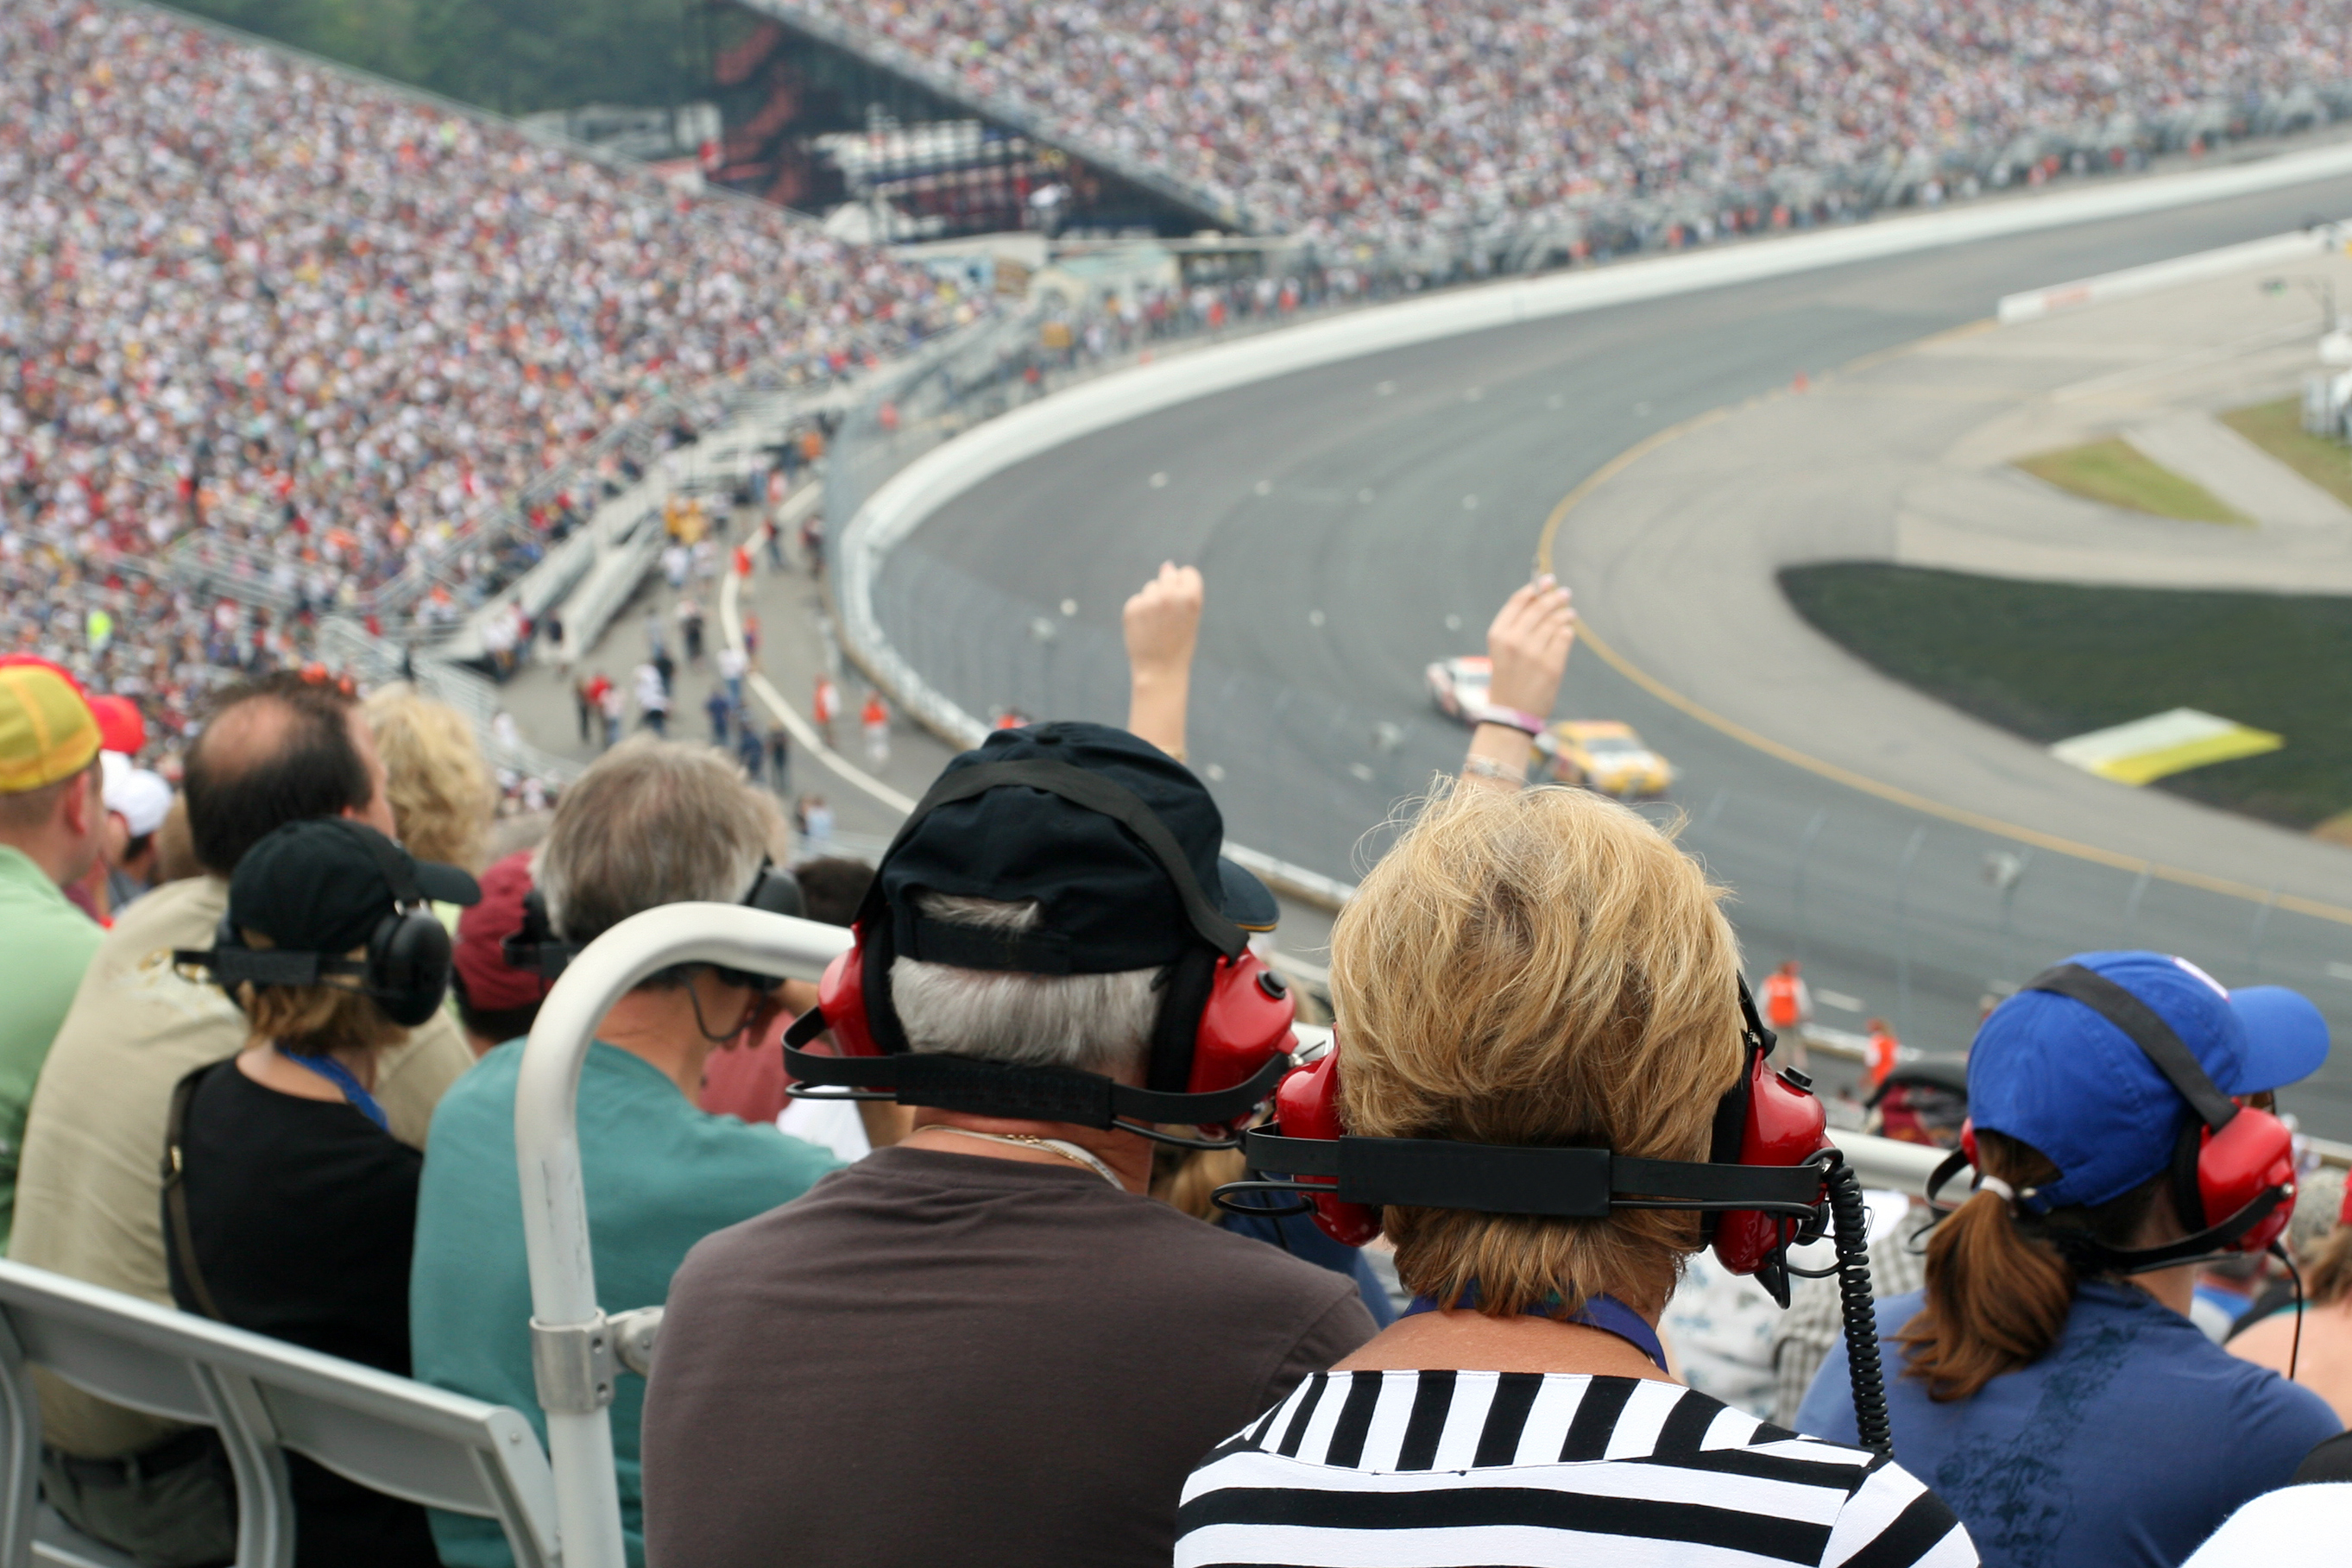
x=1768, y=1129
x=2233, y=1166
x=1220, y=1042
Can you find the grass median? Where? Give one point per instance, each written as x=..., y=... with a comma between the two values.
x=2050, y=660
x=2117, y=474
x=2277, y=429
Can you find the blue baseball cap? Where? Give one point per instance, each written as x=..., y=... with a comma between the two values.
x=2050, y=1072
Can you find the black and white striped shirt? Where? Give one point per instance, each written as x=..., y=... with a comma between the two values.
x=1447, y=1470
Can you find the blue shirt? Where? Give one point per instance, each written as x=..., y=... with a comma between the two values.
x=2129, y=1442
x=660, y=1174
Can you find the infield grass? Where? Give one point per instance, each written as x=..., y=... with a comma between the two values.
x=2117, y=473
x=2049, y=660
x=2277, y=429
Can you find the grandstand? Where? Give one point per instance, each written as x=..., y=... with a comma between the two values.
x=1459, y=132
x=278, y=342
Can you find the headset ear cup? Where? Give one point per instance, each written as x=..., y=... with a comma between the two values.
x=408, y=965
x=1785, y=1125
x=1306, y=1105
x=1245, y=1023
x=2252, y=1156
x=841, y=997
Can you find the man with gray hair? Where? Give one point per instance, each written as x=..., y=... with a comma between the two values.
x=652, y=823
x=987, y=1345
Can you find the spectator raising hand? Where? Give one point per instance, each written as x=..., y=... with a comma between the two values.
x=1529, y=645
x=1162, y=624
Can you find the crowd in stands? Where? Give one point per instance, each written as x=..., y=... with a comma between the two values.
x=932, y=1284
x=1383, y=119
x=331, y=332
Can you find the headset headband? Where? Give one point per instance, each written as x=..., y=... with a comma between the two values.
x=233, y=967
x=2147, y=1030
x=1021, y=1093
x=1495, y=1178
x=1080, y=787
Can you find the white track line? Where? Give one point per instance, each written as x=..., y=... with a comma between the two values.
x=805, y=734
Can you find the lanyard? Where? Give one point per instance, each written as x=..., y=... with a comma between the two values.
x=336, y=1073
x=1606, y=1313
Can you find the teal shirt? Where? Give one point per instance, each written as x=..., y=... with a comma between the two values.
x=45, y=944
x=661, y=1176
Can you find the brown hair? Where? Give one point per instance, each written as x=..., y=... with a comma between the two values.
x=1537, y=968
x=318, y=1019
x=2329, y=1278
x=1998, y=1286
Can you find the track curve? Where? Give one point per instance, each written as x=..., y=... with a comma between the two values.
x=1357, y=520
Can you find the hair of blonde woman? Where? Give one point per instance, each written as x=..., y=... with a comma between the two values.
x=316, y=1020
x=1537, y=968
x=442, y=792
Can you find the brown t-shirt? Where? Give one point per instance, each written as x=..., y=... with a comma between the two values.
x=950, y=1358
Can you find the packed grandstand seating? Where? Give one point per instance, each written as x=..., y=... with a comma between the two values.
x=334, y=330
x=1382, y=119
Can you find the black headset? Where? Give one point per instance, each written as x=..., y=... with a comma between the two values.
x=536, y=949
x=407, y=967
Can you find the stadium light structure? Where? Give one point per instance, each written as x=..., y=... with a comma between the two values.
x=577, y=1353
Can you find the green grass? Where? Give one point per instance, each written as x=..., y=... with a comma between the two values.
x=2277, y=429
x=2115, y=472
x=2050, y=660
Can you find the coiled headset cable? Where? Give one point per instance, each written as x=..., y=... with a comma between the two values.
x=1850, y=1222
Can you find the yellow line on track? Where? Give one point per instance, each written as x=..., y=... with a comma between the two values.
x=1891, y=793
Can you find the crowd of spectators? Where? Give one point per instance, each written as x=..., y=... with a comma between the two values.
x=919, y=1283
x=1380, y=120
x=332, y=331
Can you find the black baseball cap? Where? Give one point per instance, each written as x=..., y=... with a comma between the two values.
x=322, y=885
x=1108, y=899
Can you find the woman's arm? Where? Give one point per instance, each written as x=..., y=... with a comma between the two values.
x=1529, y=645
x=1162, y=623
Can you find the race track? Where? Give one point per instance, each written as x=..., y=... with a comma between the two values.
x=1358, y=520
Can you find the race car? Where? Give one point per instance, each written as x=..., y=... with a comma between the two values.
x=1458, y=687
x=1604, y=756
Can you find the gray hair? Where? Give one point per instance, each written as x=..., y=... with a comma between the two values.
x=1095, y=1023
x=652, y=823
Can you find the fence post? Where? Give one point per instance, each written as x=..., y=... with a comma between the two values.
x=1903, y=931
x=2131, y=903
x=1804, y=860
x=2254, y=937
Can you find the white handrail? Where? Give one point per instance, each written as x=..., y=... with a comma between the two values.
x=547, y=1154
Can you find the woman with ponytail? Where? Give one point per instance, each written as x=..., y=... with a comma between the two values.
x=2051, y=1388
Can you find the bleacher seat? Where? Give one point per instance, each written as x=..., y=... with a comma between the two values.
x=263, y=1397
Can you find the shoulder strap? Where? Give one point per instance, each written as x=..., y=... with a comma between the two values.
x=180, y=1238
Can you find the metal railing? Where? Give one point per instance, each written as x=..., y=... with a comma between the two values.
x=566, y=1322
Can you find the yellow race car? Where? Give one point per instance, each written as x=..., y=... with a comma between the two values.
x=1604, y=756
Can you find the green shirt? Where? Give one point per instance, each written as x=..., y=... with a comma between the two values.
x=660, y=1174
x=45, y=944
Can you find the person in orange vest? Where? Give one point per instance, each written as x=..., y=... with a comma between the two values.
x=828, y=704
x=875, y=719
x=1788, y=1008
x=1878, y=1057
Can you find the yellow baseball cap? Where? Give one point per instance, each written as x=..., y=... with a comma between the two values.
x=46, y=730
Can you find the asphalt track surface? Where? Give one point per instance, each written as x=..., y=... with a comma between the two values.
x=1356, y=521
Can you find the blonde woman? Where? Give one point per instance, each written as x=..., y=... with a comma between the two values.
x=443, y=793
x=1540, y=967
x=293, y=1208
